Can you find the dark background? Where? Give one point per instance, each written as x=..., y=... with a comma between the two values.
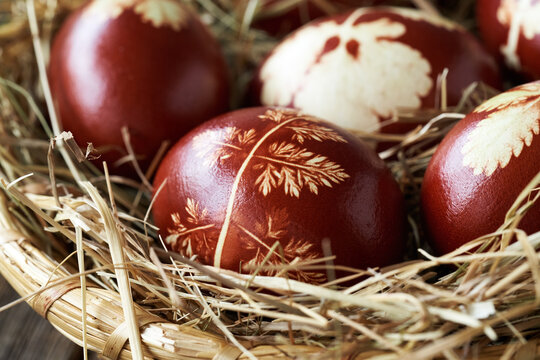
x=24, y=335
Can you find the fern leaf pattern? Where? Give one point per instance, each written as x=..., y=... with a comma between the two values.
x=511, y=125
x=304, y=130
x=279, y=156
x=279, y=115
x=285, y=163
x=520, y=96
x=216, y=146
x=294, y=168
x=267, y=179
x=157, y=12
x=194, y=236
x=529, y=24
x=294, y=250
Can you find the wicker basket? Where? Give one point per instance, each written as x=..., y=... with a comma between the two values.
x=486, y=309
x=59, y=297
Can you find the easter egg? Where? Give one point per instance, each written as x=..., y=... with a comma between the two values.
x=149, y=66
x=280, y=17
x=511, y=30
x=360, y=68
x=481, y=167
x=268, y=186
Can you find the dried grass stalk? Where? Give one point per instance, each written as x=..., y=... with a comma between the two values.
x=98, y=272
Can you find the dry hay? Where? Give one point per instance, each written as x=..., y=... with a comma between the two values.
x=79, y=245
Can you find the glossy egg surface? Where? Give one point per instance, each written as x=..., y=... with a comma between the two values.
x=150, y=66
x=481, y=167
x=268, y=183
x=519, y=48
x=280, y=17
x=358, y=69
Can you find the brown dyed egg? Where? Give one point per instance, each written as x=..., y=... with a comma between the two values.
x=520, y=47
x=280, y=17
x=357, y=69
x=148, y=65
x=244, y=181
x=481, y=167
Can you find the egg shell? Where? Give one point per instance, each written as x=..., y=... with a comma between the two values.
x=149, y=65
x=249, y=178
x=481, y=167
x=357, y=69
x=279, y=23
x=520, y=52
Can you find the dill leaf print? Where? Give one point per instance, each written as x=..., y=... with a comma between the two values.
x=294, y=168
x=530, y=13
x=195, y=215
x=309, y=83
x=195, y=235
x=216, y=146
x=524, y=95
x=268, y=178
x=305, y=130
x=245, y=138
x=266, y=235
x=303, y=250
x=162, y=13
x=279, y=115
x=304, y=127
x=504, y=132
x=157, y=12
x=295, y=251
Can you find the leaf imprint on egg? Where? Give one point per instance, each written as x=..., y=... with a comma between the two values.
x=260, y=243
x=286, y=164
x=193, y=234
x=216, y=146
x=512, y=122
x=277, y=163
x=520, y=17
x=347, y=72
x=157, y=12
x=293, y=166
x=530, y=13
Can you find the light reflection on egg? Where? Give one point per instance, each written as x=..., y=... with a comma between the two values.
x=481, y=167
x=519, y=49
x=150, y=66
x=358, y=69
x=267, y=183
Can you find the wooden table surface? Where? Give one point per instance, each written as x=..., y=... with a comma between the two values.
x=24, y=335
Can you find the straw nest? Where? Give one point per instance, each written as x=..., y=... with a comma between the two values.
x=79, y=247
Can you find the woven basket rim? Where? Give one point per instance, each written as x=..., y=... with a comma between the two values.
x=54, y=291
